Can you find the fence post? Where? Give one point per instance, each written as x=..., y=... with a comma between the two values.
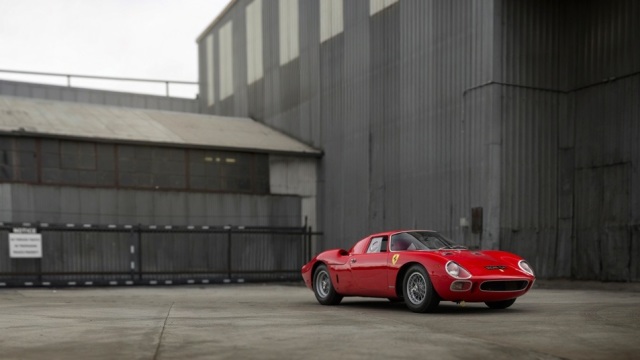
x=309, y=254
x=139, y=252
x=39, y=231
x=306, y=238
x=229, y=230
x=132, y=244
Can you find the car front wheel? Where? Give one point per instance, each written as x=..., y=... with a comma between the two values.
x=417, y=290
x=323, y=287
x=500, y=304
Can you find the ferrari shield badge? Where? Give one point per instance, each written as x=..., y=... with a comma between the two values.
x=395, y=258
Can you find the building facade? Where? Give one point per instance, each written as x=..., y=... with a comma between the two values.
x=510, y=124
x=67, y=162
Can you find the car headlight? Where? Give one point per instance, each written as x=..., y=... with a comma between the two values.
x=457, y=271
x=525, y=267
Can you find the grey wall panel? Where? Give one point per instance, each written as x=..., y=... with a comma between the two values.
x=529, y=193
x=430, y=108
x=607, y=33
x=606, y=195
x=481, y=147
x=55, y=204
x=374, y=178
x=52, y=92
x=6, y=204
x=531, y=41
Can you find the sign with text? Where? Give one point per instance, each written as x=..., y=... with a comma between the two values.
x=25, y=244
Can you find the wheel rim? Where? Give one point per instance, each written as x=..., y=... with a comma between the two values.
x=416, y=288
x=323, y=284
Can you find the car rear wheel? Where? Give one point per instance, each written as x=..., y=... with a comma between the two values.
x=500, y=304
x=417, y=290
x=323, y=287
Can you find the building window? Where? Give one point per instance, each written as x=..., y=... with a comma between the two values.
x=18, y=160
x=375, y=6
x=225, y=52
x=209, y=56
x=254, y=41
x=331, y=18
x=77, y=155
x=151, y=167
x=78, y=163
x=228, y=171
x=289, y=30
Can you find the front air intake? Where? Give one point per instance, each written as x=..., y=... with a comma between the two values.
x=509, y=285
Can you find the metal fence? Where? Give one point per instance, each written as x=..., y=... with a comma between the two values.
x=105, y=255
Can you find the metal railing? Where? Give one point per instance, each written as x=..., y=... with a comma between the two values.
x=106, y=255
x=69, y=77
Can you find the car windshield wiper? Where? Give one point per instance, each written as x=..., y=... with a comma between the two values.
x=457, y=247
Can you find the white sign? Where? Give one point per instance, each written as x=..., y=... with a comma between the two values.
x=24, y=230
x=25, y=245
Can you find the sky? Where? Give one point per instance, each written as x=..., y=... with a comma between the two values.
x=148, y=39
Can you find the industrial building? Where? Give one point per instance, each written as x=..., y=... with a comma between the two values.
x=125, y=187
x=504, y=124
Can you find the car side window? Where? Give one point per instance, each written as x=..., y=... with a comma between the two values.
x=402, y=242
x=377, y=244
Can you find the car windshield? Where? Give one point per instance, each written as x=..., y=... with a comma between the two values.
x=421, y=240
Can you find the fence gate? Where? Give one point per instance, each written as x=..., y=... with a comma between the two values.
x=41, y=254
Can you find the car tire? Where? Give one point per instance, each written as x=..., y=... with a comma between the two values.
x=500, y=304
x=417, y=290
x=323, y=287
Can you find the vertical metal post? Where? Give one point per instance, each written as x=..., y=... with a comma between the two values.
x=305, y=241
x=229, y=270
x=39, y=231
x=68, y=80
x=139, y=252
x=309, y=254
x=132, y=242
x=167, y=85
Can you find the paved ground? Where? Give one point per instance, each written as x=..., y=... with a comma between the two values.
x=285, y=322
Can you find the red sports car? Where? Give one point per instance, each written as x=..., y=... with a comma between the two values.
x=420, y=267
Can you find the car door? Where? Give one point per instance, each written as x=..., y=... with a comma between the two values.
x=369, y=269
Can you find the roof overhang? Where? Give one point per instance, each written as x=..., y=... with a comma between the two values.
x=88, y=122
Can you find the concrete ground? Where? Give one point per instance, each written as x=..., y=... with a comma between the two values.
x=284, y=321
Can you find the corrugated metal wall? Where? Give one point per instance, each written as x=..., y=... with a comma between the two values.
x=570, y=122
x=58, y=204
x=405, y=143
x=101, y=97
x=429, y=108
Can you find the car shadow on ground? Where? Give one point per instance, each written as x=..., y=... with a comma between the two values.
x=443, y=308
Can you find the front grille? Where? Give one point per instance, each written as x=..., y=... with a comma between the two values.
x=515, y=285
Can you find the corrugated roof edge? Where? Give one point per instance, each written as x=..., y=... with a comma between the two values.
x=311, y=151
x=215, y=21
x=318, y=154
